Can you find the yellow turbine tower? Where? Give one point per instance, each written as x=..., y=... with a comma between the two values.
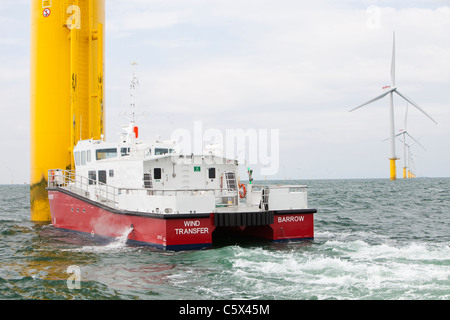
x=67, y=92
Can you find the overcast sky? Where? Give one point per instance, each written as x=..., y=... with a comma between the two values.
x=295, y=66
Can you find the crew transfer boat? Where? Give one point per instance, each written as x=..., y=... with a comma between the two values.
x=170, y=200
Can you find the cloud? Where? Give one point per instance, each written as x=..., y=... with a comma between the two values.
x=145, y=20
x=175, y=43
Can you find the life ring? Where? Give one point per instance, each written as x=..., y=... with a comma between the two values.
x=242, y=193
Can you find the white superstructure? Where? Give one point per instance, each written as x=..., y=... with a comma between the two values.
x=153, y=177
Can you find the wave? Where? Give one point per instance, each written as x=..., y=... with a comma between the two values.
x=339, y=270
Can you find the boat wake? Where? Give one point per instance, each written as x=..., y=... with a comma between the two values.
x=118, y=244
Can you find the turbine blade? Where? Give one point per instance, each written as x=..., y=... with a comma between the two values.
x=415, y=105
x=393, y=62
x=397, y=135
x=406, y=115
x=373, y=100
x=416, y=141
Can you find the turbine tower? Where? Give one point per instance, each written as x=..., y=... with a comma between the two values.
x=407, y=147
x=406, y=153
x=390, y=91
x=411, y=174
x=406, y=150
x=66, y=88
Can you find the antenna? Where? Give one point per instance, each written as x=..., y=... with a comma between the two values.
x=133, y=85
x=133, y=89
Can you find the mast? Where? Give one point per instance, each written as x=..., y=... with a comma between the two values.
x=133, y=85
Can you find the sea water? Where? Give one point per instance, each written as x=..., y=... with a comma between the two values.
x=374, y=239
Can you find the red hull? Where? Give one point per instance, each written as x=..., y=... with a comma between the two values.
x=167, y=231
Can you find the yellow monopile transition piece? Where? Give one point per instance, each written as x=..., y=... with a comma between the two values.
x=393, y=169
x=66, y=91
x=404, y=173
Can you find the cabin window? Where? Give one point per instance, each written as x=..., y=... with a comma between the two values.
x=83, y=158
x=212, y=173
x=148, y=184
x=157, y=173
x=111, y=173
x=92, y=177
x=124, y=151
x=106, y=153
x=77, y=158
x=102, y=176
x=88, y=155
x=161, y=151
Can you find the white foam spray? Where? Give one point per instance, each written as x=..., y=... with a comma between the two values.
x=120, y=241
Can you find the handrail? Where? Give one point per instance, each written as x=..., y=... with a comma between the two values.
x=290, y=187
x=68, y=179
x=104, y=192
x=107, y=194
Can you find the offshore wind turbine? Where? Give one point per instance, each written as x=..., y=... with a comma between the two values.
x=390, y=90
x=406, y=147
x=406, y=150
x=406, y=154
x=411, y=174
x=411, y=161
x=407, y=170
